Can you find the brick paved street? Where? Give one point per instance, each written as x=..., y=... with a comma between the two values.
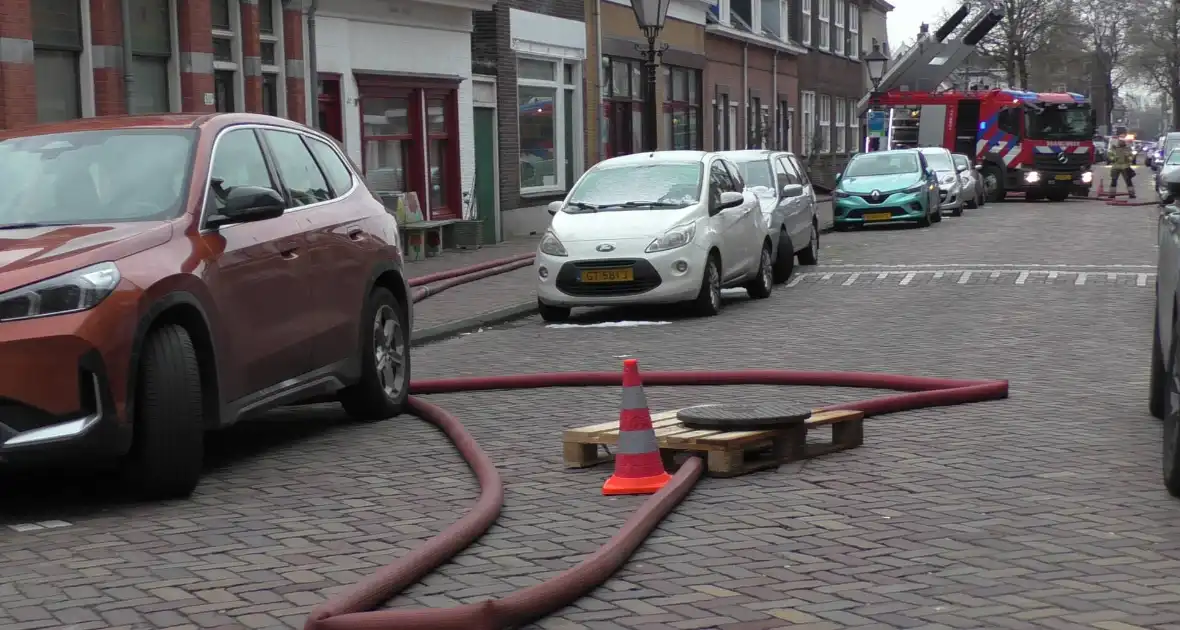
x=1042, y=511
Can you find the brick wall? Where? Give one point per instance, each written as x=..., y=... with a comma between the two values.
x=18, y=105
x=492, y=39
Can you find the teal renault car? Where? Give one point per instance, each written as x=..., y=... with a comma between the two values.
x=886, y=187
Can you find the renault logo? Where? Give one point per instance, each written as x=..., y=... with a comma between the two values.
x=876, y=195
x=1062, y=157
x=605, y=247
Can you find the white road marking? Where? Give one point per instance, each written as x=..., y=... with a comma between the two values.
x=909, y=277
x=995, y=274
x=1112, y=276
x=1081, y=279
x=1141, y=280
x=1052, y=275
x=1022, y=278
x=883, y=275
x=938, y=275
x=1013, y=266
x=796, y=280
x=827, y=276
x=965, y=277
x=32, y=527
x=852, y=278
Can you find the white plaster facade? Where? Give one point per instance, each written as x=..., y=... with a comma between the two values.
x=874, y=16
x=398, y=36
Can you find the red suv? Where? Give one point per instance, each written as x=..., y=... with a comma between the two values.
x=162, y=276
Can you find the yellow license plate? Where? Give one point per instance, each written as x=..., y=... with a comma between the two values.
x=1064, y=177
x=608, y=275
x=878, y=216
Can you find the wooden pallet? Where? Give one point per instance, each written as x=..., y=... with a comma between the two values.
x=728, y=453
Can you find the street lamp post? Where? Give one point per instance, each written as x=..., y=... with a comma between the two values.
x=875, y=63
x=650, y=16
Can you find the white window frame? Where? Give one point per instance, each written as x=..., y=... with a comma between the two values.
x=808, y=121
x=279, y=68
x=784, y=12
x=791, y=129
x=805, y=22
x=825, y=24
x=853, y=128
x=734, y=139
x=562, y=152
x=841, y=134
x=840, y=8
x=235, y=66
x=825, y=123
x=854, y=31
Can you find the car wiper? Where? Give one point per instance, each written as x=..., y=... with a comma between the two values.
x=21, y=226
x=646, y=204
x=581, y=205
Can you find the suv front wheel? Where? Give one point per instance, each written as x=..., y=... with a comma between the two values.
x=384, y=385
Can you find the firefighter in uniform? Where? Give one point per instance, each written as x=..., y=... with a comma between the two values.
x=1120, y=163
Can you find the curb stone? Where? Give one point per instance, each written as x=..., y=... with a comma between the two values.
x=424, y=336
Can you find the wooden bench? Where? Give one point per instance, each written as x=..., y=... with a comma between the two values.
x=728, y=453
x=417, y=241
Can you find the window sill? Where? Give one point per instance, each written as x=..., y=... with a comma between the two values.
x=543, y=191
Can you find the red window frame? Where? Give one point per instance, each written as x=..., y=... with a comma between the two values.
x=674, y=107
x=417, y=91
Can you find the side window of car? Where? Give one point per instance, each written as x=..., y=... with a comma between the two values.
x=339, y=175
x=737, y=184
x=781, y=178
x=718, y=180
x=237, y=161
x=302, y=176
x=799, y=170
x=792, y=176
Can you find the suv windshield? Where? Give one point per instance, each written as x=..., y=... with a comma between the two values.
x=868, y=164
x=1056, y=123
x=939, y=160
x=637, y=186
x=95, y=176
x=756, y=173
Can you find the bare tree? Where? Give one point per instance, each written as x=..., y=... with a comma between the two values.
x=1155, y=58
x=1027, y=29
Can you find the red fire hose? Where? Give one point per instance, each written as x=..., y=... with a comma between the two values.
x=347, y=610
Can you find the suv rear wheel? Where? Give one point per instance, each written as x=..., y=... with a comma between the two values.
x=169, y=422
x=385, y=361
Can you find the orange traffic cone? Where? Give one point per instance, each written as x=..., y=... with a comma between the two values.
x=638, y=467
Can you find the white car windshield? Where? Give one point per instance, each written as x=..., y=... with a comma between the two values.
x=756, y=173
x=868, y=164
x=939, y=161
x=637, y=186
x=94, y=176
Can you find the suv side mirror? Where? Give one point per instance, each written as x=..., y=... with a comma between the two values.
x=839, y=176
x=792, y=190
x=246, y=204
x=555, y=207
x=979, y=167
x=728, y=199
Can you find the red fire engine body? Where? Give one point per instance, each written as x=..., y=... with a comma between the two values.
x=1040, y=144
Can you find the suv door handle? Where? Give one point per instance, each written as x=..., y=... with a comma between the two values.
x=289, y=253
x=356, y=234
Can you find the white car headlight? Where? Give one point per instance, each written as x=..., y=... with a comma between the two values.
x=1087, y=177
x=678, y=236
x=965, y=180
x=551, y=245
x=68, y=293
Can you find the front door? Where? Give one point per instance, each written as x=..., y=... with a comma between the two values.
x=485, y=173
x=256, y=279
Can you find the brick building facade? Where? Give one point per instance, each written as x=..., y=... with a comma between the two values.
x=63, y=59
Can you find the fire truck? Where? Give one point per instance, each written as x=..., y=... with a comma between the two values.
x=1037, y=143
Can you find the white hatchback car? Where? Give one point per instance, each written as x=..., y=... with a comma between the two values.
x=653, y=228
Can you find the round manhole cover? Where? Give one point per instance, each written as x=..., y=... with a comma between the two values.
x=743, y=417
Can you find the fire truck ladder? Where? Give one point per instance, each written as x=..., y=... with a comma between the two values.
x=931, y=59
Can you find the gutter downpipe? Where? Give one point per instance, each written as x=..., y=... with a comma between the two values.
x=599, y=116
x=128, y=76
x=746, y=93
x=774, y=98
x=313, y=75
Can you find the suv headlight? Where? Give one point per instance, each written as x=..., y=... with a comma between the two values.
x=551, y=245
x=678, y=236
x=68, y=293
x=965, y=180
x=840, y=194
x=916, y=188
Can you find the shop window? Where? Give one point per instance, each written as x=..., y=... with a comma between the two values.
x=682, y=108
x=548, y=123
x=623, y=107
x=409, y=135
x=151, y=46
x=57, y=44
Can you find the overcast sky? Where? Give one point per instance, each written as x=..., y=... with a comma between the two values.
x=908, y=15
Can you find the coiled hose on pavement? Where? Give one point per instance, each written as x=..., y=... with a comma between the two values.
x=352, y=609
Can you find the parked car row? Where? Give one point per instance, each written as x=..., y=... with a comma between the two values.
x=905, y=186
x=677, y=227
